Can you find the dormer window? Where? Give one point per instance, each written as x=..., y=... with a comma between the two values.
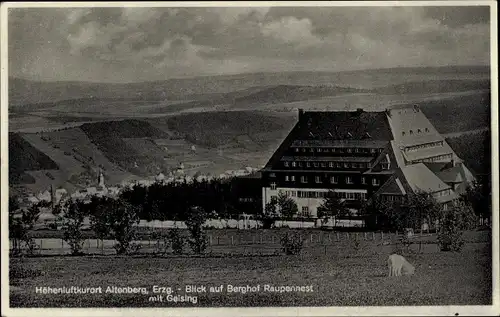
x=287, y=164
x=403, y=133
x=426, y=129
x=296, y=149
x=294, y=164
x=385, y=166
x=273, y=186
x=419, y=131
x=319, y=150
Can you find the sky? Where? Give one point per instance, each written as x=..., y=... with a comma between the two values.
x=143, y=44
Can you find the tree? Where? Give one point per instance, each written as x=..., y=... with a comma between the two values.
x=269, y=214
x=287, y=206
x=195, y=219
x=73, y=216
x=21, y=222
x=116, y=218
x=16, y=231
x=332, y=206
x=419, y=206
x=478, y=195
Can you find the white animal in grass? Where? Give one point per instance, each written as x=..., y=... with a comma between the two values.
x=398, y=266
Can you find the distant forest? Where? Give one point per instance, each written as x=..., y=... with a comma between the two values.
x=475, y=150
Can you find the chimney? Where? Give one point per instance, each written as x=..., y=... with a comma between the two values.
x=301, y=113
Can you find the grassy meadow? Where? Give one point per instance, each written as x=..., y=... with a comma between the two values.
x=340, y=273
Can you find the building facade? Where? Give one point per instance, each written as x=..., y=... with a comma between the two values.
x=358, y=154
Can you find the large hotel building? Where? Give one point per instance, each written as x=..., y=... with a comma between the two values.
x=358, y=154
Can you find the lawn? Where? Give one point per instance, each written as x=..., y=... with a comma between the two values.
x=340, y=275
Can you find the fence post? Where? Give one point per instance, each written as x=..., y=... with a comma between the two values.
x=311, y=238
x=261, y=238
x=232, y=240
x=337, y=235
x=365, y=235
x=325, y=249
x=62, y=244
x=373, y=235
x=382, y=237
x=329, y=238
x=218, y=241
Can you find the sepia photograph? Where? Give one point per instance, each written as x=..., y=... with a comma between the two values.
x=281, y=155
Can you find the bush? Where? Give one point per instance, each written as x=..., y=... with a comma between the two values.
x=118, y=219
x=176, y=240
x=195, y=220
x=450, y=236
x=291, y=243
x=160, y=237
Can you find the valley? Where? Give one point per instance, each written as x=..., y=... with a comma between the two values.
x=70, y=131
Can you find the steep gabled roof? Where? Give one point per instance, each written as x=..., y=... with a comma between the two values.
x=420, y=178
x=344, y=125
x=318, y=126
x=393, y=186
x=451, y=175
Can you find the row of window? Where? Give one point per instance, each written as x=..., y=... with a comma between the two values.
x=434, y=158
x=418, y=131
x=442, y=193
x=329, y=164
x=338, y=150
x=391, y=197
x=333, y=180
x=424, y=146
x=316, y=194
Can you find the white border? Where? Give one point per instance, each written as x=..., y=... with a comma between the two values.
x=294, y=311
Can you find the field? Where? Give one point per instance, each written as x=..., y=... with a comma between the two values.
x=340, y=275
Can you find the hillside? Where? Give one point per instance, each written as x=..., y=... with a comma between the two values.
x=129, y=144
x=22, y=91
x=262, y=95
x=24, y=157
x=434, y=86
x=214, y=129
x=475, y=150
x=459, y=113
